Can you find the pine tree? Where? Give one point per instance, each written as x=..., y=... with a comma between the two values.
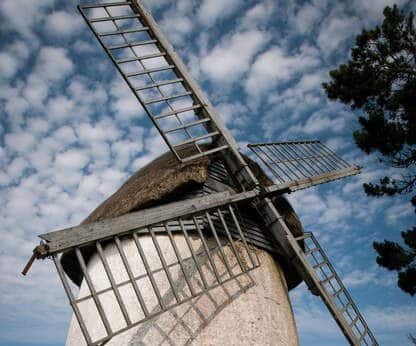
x=380, y=80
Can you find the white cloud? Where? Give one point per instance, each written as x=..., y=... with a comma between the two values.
x=316, y=326
x=12, y=58
x=83, y=47
x=322, y=121
x=104, y=130
x=373, y=9
x=89, y=98
x=335, y=30
x=125, y=150
x=60, y=108
x=307, y=17
x=259, y=15
x=156, y=4
x=65, y=134
x=231, y=58
x=398, y=212
x=20, y=141
x=8, y=65
x=312, y=318
x=276, y=66
x=16, y=167
x=125, y=105
x=311, y=81
x=71, y=160
x=21, y=15
x=322, y=211
x=36, y=91
x=89, y=184
x=53, y=63
x=112, y=179
x=288, y=106
x=337, y=143
x=233, y=114
x=177, y=26
x=62, y=24
x=389, y=318
x=372, y=276
x=215, y=10
x=154, y=146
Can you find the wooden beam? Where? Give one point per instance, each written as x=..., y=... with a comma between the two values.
x=65, y=239
x=300, y=184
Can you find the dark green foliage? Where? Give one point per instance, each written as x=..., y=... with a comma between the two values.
x=394, y=256
x=380, y=80
x=412, y=339
x=407, y=280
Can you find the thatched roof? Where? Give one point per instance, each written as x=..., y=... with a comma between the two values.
x=166, y=180
x=155, y=183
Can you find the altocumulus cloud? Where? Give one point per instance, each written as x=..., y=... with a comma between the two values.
x=71, y=133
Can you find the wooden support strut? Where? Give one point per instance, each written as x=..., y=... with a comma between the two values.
x=39, y=252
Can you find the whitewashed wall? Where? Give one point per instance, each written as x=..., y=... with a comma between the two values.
x=237, y=313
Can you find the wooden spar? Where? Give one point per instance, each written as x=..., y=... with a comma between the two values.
x=64, y=239
x=300, y=184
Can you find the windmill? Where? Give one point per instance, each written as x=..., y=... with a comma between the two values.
x=218, y=220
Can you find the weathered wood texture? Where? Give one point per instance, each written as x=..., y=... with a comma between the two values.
x=86, y=233
x=300, y=184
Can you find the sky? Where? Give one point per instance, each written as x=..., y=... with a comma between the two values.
x=71, y=133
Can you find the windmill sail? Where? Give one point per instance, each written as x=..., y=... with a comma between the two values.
x=334, y=293
x=298, y=165
x=216, y=253
x=158, y=78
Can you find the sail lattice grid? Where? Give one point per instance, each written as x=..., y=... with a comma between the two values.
x=139, y=275
x=157, y=77
x=344, y=308
x=300, y=164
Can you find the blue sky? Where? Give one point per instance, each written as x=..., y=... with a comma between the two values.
x=71, y=133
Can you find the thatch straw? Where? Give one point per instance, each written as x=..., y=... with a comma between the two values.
x=156, y=183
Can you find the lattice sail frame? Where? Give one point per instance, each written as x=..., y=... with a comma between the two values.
x=297, y=165
x=186, y=119
x=154, y=284
x=344, y=307
x=158, y=78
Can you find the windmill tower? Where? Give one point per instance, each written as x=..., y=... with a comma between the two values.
x=203, y=237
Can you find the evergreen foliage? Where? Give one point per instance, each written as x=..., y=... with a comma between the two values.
x=380, y=80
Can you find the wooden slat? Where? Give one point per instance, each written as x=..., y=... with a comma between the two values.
x=64, y=239
x=106, y=19
x=300, y=184
x=139, y=58
x=159, y=84
x=106, y=4
x=119, y=32
x=176, y=111
x=132, y=44
x=150, y=70
x=187, y=125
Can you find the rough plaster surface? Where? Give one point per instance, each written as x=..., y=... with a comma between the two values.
x=236, y=313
